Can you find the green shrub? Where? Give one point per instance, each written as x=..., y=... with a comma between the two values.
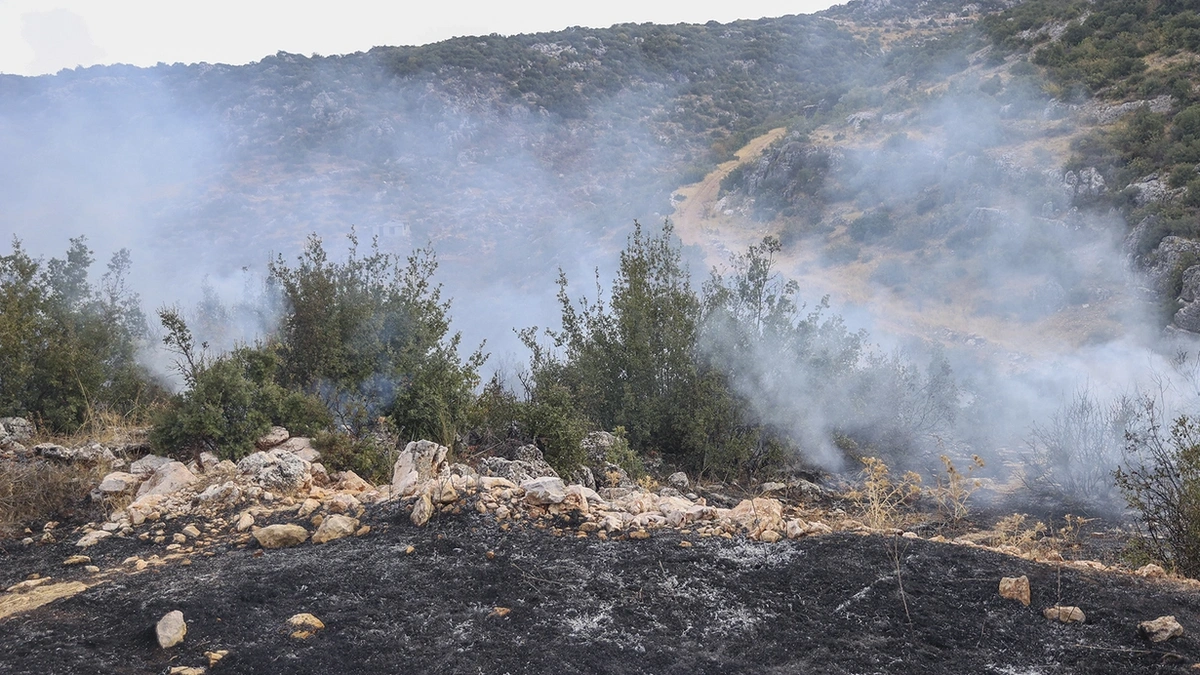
x=1161, y=483
x=368, y=457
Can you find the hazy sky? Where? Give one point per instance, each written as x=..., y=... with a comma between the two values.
x=44, y=36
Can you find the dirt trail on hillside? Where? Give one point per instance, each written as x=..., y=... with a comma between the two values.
x=695, y=223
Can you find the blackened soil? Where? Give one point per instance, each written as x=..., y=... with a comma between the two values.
x=818, y=605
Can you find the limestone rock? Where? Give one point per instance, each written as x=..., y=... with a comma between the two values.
x=308, y=507
x=225, y=493
x=544, y=490
x=348, y=481
x=679, y=481
x=335, y=527
x=1015, y=588
x=1064, y=614
x=118, y=483
x=18, y=429
x=147, y=465
x=306, y=625
x=77, y=560
x=343, y=503
x=531, y=455
x=280, y=536
x=770, y=536
x=422, y=510
x=301, y=447
x=92, y=538
x=272, y=438
x=245, y=521
x=187, y=670
x=418, y=462
x=596, y=447
x=1151, y=571
x=758, y=515
x=168, y=478
x=514, y=471
x=171, y=629
x=583, y=476
x=276, y=469
x=1161, y=629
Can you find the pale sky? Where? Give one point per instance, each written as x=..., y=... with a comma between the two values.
x=45, y=36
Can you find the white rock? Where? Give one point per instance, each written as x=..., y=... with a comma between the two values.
x=280, y=536
x=93, y=538
x=171, y=629
x=1161, y=629
x=301, y=447
x=335, y=527
x=118, y=483
x=272, y=438
x=148, y=464
x=422, y=458
x=166, y=479
x=226, y=492
x=544, y=490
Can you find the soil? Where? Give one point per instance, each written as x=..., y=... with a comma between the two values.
x=828, y=604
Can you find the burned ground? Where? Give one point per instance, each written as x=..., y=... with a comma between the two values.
x=829, y=604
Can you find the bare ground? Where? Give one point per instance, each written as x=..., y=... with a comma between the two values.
x=830, y=604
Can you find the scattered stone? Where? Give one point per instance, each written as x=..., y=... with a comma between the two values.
x=281, y=536
x=215, y=657
x=245, y=522
x=191, y=531
x=92, y=538
x=1015, y=588
x=1161, y=629
x=179, y=538
x=1064, y=614
x=343, y=503
x=422, y=510
x=770, y=536
x=187, y=670
x=351, y=482
x=639, y=534
x=77, y=560
x=171, y=629
x=307, y=507
x=272, y=438
x=335, y=527
x=499, y=612
x=306, y=625
x=91, y=569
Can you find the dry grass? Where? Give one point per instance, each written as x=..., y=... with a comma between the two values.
x=882, y=498
x=35, y=491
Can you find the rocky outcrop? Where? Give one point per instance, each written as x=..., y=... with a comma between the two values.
x=418, y=462
x=167, y=478
x=277, y=469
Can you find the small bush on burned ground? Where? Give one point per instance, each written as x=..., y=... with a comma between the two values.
x=1161, y=483
x=36, y=491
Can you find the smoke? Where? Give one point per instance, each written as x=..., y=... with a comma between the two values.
x=937, y=213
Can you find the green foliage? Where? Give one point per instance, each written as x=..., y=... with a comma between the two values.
x=230, y=400
x=1161, y=483
x=68, y=349
x=367, y=456
x=371, y=336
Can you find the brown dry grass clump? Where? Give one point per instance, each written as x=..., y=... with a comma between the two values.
x=36, y=491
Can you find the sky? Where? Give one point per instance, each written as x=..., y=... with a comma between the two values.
x=45, y=36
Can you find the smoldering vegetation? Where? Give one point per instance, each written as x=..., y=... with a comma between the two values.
x=938, y=166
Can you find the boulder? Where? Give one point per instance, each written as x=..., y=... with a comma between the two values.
x=117, y=483
x=515, y=471
x=596, y=447
x=348, y=481
x=280, y=536
x=334, y=527
x=1164, y=262
x=245, y=521
x=1015, y=588
x=544, y=490
x=531, y=455
x=17, y=428
x=272, y=438
x=276, y=469
x=225, y=493
x=209, y=462
x=147, y=465
x=679, y=481
x=758, y=515
x=1161, y=629
x=166, y=479
x=418, y=462
x=171, y=629
x=301, y=447
x=1064, y=614
x=583, y=476
x=343, y=503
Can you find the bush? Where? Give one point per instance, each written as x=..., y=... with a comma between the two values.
x=35, y=491
x=67, y=349
x=1161, y=483
x=369, y=457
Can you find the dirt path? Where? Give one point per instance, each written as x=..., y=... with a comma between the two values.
x=694, y=221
